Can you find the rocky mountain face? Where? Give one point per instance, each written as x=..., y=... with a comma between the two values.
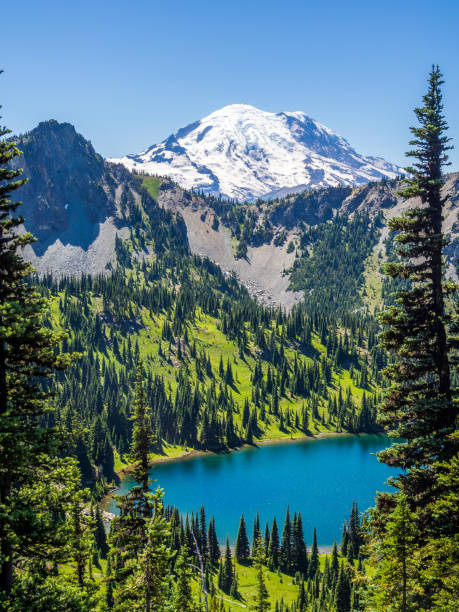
x=78, y=205
x=265, y=267
x=244, y=153
x=74, y=202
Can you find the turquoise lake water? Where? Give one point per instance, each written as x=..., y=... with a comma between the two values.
x=319, y=478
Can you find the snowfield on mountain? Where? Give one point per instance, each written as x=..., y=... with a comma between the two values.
x=243, y=153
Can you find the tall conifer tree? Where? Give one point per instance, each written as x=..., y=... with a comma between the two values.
x=142, y=433
x=419, y=404
x=183, y=597
x=261, y=603
x=227, y=569
x=28, y=471
x=285, y=556
x=314, y=560
x=214, y=548
x=274, y=546
x=242, y=548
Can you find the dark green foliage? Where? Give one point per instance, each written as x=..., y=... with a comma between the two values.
x=299, y=558
x=274, y=546
x=226, y=574
x=334, y=566
x=285, y=556
x=302, y=600
x=343, y=590
x=183, y=600
x=214, y=549
x=335, y=253
x=256, y=533
x=352, y=536
x=100, y=535
x=37, y=488
x=242, y=549
x=142, y=434
x=261, y=594
x=266, y=538
x=314, y=559
x=419, y=404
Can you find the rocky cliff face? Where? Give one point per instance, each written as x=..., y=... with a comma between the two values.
x=71, y=200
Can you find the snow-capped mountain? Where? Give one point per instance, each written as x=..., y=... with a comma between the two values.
x=242, y=152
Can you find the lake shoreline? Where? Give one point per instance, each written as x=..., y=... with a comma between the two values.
x=193, y=453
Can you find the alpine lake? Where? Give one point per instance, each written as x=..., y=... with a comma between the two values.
x=319, y=477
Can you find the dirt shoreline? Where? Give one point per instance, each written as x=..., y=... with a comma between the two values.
x=192, y=453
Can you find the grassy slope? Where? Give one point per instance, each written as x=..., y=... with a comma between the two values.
x=372, y=290
x=151, y=184
x=279, y=585
x=207, y=335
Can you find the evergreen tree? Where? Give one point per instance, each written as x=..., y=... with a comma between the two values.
x=142, y=434
x=242, y=549
x=28, y=354
x=342, y=591
x=256, y=534
x=394, y=558
x=202, y=540
x=261, y=603
x=99, y=534
x=354, y=530
x=109, y=600
x=439, y=577
x=419, y=405
x=214, y=548
x=299, y=553
x=334, y=567
x=314, y=560
x=266, y=538
x=285, y=556
x=140, y=558
x=81, y=540
x=154, y=574
x=183, y=599
x=227, y=570
x=274, y=546
x=302, y=600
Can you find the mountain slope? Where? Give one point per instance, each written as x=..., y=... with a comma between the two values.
x=261, y=242
x=242, y=152
x=76, y=204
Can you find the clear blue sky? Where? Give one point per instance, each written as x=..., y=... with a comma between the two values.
x=127, y=74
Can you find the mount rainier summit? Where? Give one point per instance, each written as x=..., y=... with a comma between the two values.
x=243, y=153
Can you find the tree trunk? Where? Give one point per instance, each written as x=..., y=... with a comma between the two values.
x=443, y=369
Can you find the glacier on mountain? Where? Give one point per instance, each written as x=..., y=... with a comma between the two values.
x=242, y=152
